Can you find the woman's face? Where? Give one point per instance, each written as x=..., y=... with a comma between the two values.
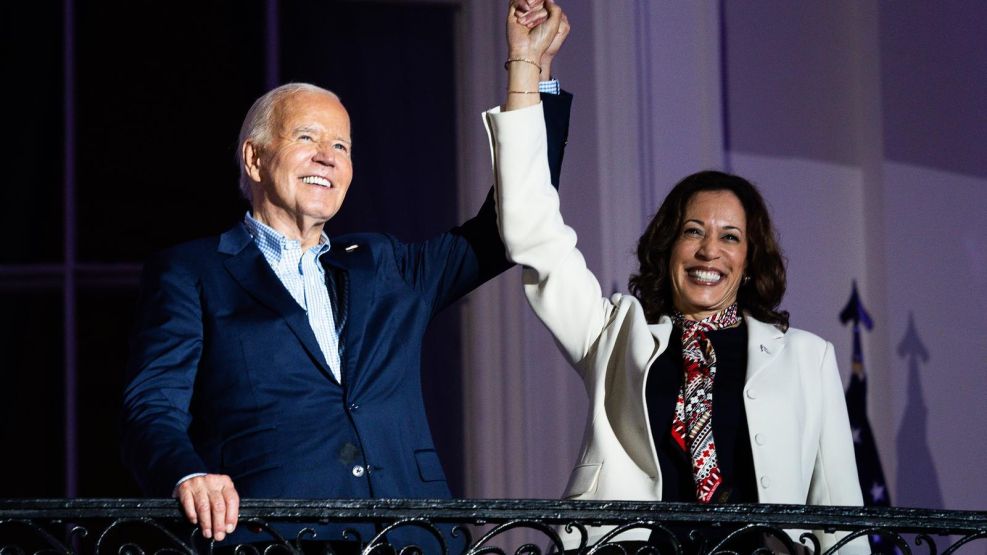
x=709, y=255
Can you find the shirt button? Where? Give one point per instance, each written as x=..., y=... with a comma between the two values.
x=760, y=439
x=358, y=471
x=765, y=482
x=751, y=394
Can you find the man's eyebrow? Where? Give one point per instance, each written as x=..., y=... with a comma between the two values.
x=307, y=128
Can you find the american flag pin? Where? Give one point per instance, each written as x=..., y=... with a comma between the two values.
x=352, y=248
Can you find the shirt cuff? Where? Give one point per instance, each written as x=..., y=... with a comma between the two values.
x=549, y=87
x=174, y=492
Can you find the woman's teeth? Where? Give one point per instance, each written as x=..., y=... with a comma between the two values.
x=705, y=276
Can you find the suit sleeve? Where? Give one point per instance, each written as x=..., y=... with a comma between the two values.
x=834, y=476
x=449, y=266
x=564, y=294
x=165, y=351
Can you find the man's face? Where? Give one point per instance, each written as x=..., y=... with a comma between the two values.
x=302, y=175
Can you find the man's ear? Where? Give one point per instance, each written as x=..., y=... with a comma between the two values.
x=251, y=160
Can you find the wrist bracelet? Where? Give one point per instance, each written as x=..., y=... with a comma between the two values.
x=510, y=60
x=522, y=92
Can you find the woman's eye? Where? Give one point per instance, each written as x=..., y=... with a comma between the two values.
x=731, y=237
x=692, y=232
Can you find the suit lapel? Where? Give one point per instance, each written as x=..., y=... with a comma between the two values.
x=764, y=343
x=250, y=269
x=661, y=331
x=352, y=266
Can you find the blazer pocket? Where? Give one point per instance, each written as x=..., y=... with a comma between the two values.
x=584, y=479
x=429, y=467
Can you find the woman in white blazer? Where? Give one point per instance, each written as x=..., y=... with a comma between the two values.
x=771, y=428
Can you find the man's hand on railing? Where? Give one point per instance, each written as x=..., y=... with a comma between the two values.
x=211, y=502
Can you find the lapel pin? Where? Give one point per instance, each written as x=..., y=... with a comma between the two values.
x=352, y=248
x=764, y=349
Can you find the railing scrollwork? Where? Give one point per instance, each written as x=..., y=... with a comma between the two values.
x=477, y=527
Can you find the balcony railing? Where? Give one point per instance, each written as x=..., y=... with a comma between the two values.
x=156, y=526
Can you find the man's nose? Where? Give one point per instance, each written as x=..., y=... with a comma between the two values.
x=325, y=155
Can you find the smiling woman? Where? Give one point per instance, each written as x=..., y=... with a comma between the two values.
x=699, y=389
x=716, y=222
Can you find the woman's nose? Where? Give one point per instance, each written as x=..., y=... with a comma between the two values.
x=707, y=249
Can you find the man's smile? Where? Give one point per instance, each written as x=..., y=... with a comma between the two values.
x=317, y=180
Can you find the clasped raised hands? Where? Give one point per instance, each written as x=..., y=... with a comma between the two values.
x=536, y=30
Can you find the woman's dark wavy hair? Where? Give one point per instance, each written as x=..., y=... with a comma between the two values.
x=759, y=296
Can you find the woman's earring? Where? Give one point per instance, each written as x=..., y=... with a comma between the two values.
x=746, y=280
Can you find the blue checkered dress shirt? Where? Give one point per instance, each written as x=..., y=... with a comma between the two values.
x=550, y=87
x=305, y=278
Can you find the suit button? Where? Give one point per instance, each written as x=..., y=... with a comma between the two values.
x=765, y=482
x=751, y=394
x=760, y=439
x=358, y=471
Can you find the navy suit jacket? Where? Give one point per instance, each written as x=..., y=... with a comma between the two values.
x=226, y=375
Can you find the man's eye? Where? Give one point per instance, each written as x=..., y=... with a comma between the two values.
x=307, y=138
x=341, y=146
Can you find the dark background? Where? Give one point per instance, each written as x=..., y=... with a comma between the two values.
x=124, y=118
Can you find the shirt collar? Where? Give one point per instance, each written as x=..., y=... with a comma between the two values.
x=272, y=241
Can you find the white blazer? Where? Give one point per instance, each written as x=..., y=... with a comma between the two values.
x=793, y=396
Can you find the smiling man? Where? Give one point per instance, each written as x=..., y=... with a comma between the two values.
x=274, y=362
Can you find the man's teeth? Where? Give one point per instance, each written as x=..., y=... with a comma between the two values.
x=316, y=180
x=707, y=276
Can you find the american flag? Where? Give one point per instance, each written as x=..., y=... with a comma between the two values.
x=869, y=470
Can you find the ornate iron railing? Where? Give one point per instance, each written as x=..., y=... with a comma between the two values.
x=145, y=526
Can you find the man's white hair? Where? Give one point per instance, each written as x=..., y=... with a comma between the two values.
x=258, y=125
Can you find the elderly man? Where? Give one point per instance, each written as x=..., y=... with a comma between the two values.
x=274, y=362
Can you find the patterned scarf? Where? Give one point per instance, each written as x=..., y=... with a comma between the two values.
x=692, y=425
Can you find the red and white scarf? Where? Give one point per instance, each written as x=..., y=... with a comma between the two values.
x=692, y=425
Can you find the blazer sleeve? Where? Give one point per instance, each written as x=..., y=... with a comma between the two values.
x=165, y=350
x=448, y=266
x=564, y=294
x=834, y=475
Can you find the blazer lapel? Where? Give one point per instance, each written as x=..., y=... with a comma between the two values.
x=661, y=331
x=355, y=275
x=764, y=342
x=250, y=269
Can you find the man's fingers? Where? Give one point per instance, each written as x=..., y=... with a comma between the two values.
x=218, y=505
x=187, y=501
x=204, y=512
x=232, y=508
x=527, y=5
x=211, y=502
x=533, y=18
